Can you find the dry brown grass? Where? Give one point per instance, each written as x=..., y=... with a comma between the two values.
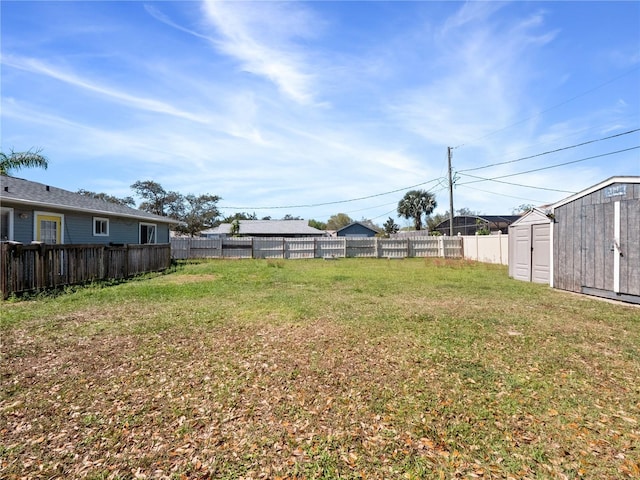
x=254, y=372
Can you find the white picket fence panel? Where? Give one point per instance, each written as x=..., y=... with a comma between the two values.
x=308, y=247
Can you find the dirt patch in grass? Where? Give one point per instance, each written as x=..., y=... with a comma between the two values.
x=185, y=279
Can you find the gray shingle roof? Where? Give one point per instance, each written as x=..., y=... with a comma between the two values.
x=25, y=192
x=366, y=225
x=267, y=227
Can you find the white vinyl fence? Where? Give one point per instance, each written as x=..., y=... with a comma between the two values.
x=341, y=247
x=487, y=248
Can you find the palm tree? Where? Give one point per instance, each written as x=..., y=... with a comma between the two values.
x=18, y=160
x=415, y=204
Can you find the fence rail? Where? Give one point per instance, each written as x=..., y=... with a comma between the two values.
x=341, y=247
x=32, y=267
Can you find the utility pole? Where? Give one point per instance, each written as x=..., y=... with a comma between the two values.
x=450, y=194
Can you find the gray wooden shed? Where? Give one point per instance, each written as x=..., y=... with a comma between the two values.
x=530, y=247
x=596, y=240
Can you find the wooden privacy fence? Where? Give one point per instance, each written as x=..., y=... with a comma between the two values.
x=37, y=266
x=341, y=247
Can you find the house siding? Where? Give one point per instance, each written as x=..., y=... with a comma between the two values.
x=78, y=227
x=22, y=227
x=356, y=230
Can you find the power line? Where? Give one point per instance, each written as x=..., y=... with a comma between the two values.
x=370, y=208
x=602, y=127
x=554, y=166
x=502, y=194
x=516, y=184
x=552, y=107
x=549, y=152
x=385, y=214
x=334, y=202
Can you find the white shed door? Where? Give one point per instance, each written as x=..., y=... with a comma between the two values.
x=540, y=253
x=522, y=254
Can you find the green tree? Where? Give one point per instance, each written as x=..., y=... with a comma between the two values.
x=317, y=224
x=17, y=160
x=235, y=227
x=339, y=220
x=464, y=211
x=157, y=200
x=415, y=204
x=435, y=219
x=522, y=209
x=198, y=213
x=390, y=226
x=240, y=216
x=127, y=201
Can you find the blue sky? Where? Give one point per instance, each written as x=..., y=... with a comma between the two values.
x=324, y=107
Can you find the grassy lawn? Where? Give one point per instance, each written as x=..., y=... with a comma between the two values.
x=320, y=369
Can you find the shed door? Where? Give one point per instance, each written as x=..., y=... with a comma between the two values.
x=597, y=249
x=522, y=255
x=629, y=240
x=610, y=252
x=540, y=253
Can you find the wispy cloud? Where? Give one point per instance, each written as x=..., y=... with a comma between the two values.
x=232, y=115
x=142, y=103
x=471, y=12
x=229, y=104
x=482, y=74
x=160, y=16
x=262, y=37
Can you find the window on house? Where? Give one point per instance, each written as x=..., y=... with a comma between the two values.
x=100, y=227
x=147, y=233
x=49, y=231
x=6, y=223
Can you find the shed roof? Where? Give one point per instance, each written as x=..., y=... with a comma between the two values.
x=267, y=227
x=603, y=184
x=33, y=194
x=535, y=215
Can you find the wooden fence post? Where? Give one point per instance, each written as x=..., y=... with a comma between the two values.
x=5, y=265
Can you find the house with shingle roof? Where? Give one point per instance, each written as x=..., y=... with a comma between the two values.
x=264, y=228
x=34, y=212
x=358, y=229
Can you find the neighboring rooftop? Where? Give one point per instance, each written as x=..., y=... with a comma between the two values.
x=28, y=193
x=266, y=228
